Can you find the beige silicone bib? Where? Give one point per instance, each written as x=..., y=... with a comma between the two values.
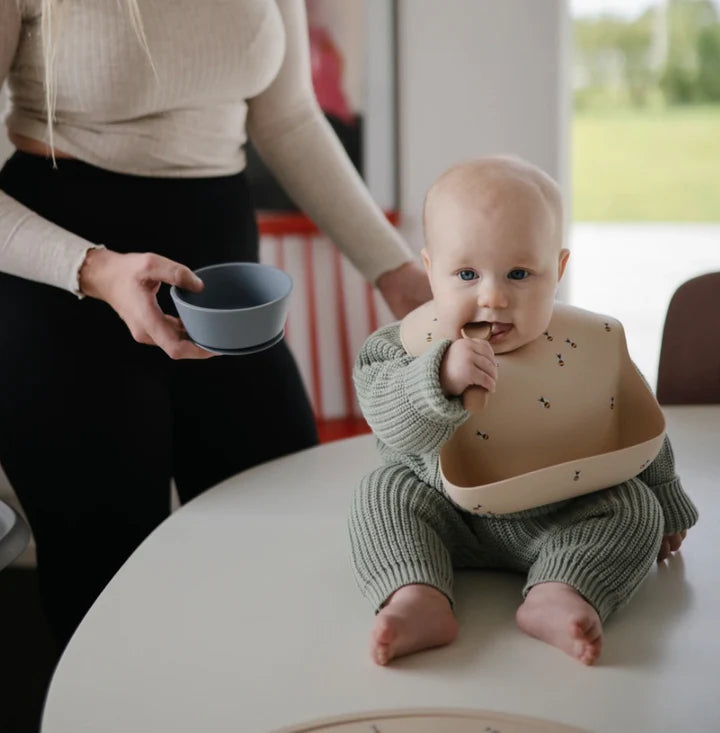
x=570, y=415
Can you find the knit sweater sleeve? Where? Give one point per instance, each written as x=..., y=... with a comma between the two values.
x=401, y=397
x=33, y=248
x=30, y=246
x=679, y=510
x=297, y=144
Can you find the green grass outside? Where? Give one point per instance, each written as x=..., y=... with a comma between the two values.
x=646, y=165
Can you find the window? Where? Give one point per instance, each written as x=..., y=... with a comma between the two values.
x=645, y=158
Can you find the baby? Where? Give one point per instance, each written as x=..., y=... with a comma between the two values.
x=494, y=255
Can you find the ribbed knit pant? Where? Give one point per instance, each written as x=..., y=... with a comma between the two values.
x=405, y=532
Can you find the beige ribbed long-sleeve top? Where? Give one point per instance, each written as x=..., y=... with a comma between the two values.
x=222, y=69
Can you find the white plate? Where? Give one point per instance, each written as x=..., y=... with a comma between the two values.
x=433, y=720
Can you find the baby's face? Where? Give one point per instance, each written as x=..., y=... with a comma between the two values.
x=499, y=263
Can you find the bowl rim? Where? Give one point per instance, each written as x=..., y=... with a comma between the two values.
x=176, y=292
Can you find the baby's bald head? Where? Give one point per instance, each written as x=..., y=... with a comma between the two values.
x=490, y=185
x=494, y=255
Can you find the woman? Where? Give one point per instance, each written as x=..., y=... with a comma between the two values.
x=129, y=120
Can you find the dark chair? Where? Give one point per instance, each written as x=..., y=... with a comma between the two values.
x=14, y=534
x=689, y=370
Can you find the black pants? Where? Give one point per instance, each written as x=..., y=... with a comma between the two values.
x=92, y=424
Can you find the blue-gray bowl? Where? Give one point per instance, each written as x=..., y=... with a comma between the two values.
x=243, y=306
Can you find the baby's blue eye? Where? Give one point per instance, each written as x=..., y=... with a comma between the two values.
x=518, y=274
x=467, y=274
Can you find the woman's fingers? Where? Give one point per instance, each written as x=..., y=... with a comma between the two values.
x=404, y=288
x=175, y=323
x=197, y=351
x=159, y=268
x=167, y=332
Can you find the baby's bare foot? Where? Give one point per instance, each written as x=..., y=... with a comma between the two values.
x=415, y=617
x=559, y=615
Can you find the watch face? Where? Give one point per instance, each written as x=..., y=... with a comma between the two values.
x=421, y=720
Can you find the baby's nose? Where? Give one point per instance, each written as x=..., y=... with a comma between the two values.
x=492, y=295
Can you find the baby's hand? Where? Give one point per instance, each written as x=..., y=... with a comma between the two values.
x=670, y=543
x=468, y=362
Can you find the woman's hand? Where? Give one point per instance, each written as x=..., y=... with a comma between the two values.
x=129, y=284
x=404, y=288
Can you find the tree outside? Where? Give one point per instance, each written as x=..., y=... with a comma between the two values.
x=646, y=124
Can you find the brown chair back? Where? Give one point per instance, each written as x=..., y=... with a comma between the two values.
x=689, y=370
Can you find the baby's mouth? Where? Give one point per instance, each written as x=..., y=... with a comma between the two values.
x=485, y=330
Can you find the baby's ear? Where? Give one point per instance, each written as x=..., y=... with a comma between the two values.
x=562, y=262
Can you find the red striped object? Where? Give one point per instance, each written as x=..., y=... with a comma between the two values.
x=277, y=228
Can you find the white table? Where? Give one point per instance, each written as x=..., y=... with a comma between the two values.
x=240, y=613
